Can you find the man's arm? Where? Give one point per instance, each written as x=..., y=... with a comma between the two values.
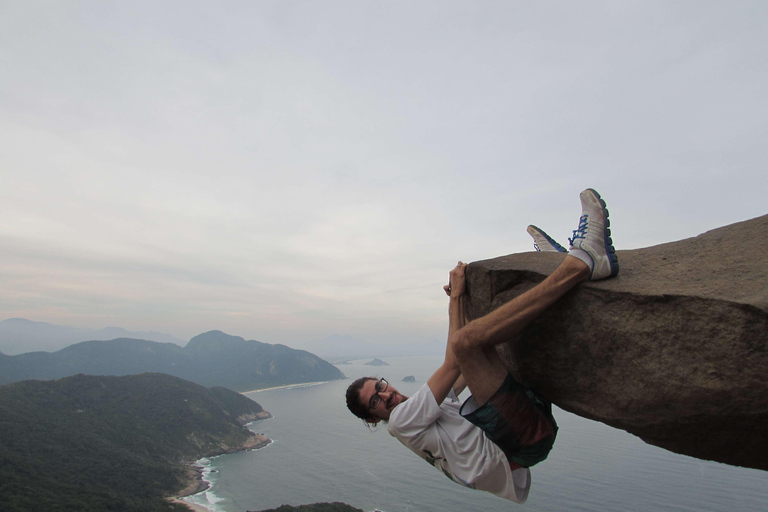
x=456, y=316
x=459, y=385
x=448, y=376
x=441, y=382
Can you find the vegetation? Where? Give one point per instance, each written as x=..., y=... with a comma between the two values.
x=316, y=507
x=211, y=359
x=87, y=443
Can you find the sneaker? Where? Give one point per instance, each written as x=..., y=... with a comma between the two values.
x=591, y=241
x=543, y=242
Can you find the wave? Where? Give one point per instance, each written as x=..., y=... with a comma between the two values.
x=207, y=498
x=288, y=386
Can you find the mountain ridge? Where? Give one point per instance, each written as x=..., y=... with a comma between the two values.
x=213, y=358
x=20, y=335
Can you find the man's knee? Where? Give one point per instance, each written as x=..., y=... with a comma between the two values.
x=464, y=342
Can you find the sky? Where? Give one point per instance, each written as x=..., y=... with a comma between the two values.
x=288, y=170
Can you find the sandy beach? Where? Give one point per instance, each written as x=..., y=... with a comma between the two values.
x=191, y=506
x=302, y=384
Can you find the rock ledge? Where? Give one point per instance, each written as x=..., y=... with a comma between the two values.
x=673, y=350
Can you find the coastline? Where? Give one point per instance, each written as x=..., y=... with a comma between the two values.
x=191, y=506
x=299, y=384
x=194, y=477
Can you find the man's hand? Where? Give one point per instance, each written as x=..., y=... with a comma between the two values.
x=449, y=373
x=456, y=284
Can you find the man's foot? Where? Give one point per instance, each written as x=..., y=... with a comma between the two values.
x=591, y=241
x=543, y=242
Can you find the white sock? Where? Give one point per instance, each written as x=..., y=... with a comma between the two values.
x=583, y=256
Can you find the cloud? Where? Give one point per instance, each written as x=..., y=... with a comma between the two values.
x=285, y=171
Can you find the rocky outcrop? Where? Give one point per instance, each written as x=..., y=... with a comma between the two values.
x=254, y=442
x=247, y=418
x=673, y=350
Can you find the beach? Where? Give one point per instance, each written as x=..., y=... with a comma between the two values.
x=191, y=506
x=196, y=482
x=299, y=385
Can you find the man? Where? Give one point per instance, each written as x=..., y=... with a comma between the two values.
x=503, y=429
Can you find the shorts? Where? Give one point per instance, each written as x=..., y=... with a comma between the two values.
x=518, y=421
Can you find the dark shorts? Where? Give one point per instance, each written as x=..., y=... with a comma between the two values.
x=518, y=421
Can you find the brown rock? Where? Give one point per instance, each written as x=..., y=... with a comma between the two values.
x=673, y=350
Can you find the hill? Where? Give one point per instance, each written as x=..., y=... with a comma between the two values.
x=19, y=335
x=91, y=443
x=210, y=359
x=316, y=507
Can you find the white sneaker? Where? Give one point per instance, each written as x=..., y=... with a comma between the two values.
x=543, y=242
x=591, y=241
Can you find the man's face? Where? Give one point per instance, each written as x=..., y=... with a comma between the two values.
x=383, y=401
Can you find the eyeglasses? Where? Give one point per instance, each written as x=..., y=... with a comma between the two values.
x=381, y=386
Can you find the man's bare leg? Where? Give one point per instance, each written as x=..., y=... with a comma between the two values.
x=591, y=256
x=475, y=344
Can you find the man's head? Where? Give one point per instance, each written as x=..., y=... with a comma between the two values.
x=373, y=399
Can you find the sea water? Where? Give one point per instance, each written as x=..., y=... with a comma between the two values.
x=320, y=452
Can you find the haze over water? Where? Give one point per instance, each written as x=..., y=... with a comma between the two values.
x=322, y=453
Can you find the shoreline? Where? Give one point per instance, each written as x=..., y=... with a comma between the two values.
x=299, y=384
x=194, y=478
x=194, y=507
x=196, y=483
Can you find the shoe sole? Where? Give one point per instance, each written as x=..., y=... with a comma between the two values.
x=610, y=250
x=549, y=239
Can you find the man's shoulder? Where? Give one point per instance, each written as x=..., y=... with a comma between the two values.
x=414, y=414
x=413, y=402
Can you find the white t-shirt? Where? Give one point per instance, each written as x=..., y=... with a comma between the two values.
x=455, y=446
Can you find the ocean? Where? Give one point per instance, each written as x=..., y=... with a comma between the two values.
x=320, y=452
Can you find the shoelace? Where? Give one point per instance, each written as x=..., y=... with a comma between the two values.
x=581, y=231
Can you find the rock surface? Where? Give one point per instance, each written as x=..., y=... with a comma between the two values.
x=673, y=350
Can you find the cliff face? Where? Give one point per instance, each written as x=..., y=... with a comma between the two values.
x=673, y=350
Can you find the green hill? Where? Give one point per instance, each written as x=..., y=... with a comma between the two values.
x=88, y=443
x=316, y=507
x=211, y=359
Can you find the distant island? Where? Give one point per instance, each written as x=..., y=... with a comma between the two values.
x=409, y=378
x=377, y=362
x=213, y=358
x=95, y=443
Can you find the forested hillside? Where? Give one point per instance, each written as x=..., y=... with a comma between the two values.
x=89, y=443
x=316, y=507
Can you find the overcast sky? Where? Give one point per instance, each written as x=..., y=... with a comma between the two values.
x=286, y=170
